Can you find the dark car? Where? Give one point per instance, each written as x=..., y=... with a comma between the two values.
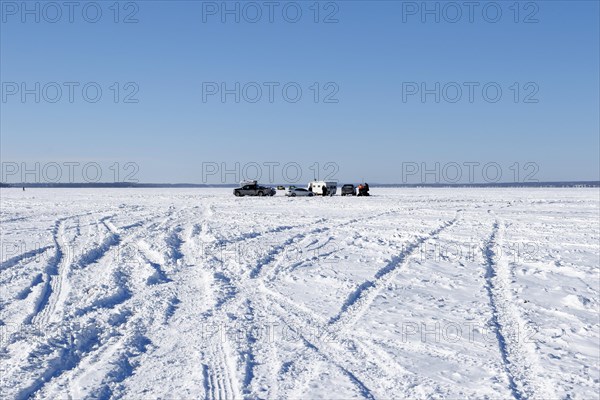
x=254, y=190
x=348, y=190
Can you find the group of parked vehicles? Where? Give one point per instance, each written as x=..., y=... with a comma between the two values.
x=315, y=188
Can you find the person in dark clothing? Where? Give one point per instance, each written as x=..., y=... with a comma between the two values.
x=363, y=189
x=324, y=190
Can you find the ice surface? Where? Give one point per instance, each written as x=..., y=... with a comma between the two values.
x=193, y=293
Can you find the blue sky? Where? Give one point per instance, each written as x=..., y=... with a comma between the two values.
x=371, y=57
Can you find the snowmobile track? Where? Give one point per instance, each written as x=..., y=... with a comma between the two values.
x=517, y=352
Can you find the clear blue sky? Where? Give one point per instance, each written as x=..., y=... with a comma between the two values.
x=370, y=54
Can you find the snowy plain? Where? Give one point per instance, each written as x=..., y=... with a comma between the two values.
x=193, y=293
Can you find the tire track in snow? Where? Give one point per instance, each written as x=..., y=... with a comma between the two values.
x=220, y=365
x=248, y=286
x=55, y=289
x=217, y=365
x=96, y=368
x=89, y=257
x=270, y=258
x=96, y=253
x=518, y=356
x=52, y=278
x=116, y=356
x=6, y=221
x=220, y=384
x=67, y=347
x=232, y=282
x=215, y=368
x=171, y=253
x=254, y=235
x=228, y=305
x=360, y=360
x=363, y=296
x=155, y=260
x=358, y=368
x=218, y=368
x=51, y=301
x=51, y=368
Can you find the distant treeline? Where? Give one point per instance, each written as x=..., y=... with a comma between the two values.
x=591, y=184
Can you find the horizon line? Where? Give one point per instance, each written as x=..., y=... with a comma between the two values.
x=592, y=183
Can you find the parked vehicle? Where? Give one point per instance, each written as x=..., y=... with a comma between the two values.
x=252, y=188
x=323, y=188
x=348, y=190
x=363, y=189
x=293, y=192
x=280, y=187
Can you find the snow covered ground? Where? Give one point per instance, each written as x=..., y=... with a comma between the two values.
x=412, y=293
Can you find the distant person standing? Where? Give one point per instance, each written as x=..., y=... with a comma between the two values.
x=324, y=190
x=23, y=188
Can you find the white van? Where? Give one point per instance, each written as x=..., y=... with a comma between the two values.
x=317, y=187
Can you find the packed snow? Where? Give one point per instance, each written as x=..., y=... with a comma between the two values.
x=193, y=293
